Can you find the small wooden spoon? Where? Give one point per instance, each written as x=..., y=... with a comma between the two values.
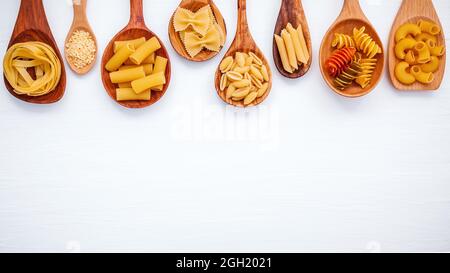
x=32, y=25
x=291, y=11
x=243, y=42
x=80, y=22
x=351, y=16
x=175, y=40
x=412, y=11
x=136, y=28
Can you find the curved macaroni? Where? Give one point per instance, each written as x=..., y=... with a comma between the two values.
x=410, y=57
x=403, y=75
x=402, y=46
x=421, y=76
x=423, y=52
x=429, y=27
x=424, y=37
x=437, y=51
x=431, y=66
x=405, y=30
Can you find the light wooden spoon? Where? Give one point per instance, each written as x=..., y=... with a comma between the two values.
x=243, y=42
x=175, y=39
x=136, y=28
x=80, y=22
x=351, y=16
x=291, y=11
x=412, y=11
x=32, y=25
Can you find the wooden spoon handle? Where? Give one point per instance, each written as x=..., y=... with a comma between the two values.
x=31, y=15
x=79, y=10
x=242, y=25
x=351, y=9
x=136, y=13
x=417, y=7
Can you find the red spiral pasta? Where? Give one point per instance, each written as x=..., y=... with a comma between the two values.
x=339, y=61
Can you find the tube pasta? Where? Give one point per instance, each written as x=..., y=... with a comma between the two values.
x=297, y=44
x=290, y=49
x=437, y=51
x=120, y=57
x=145, y=50
x=283, y=54
x=403, y=75
x=160, y=66
x=423, y=52
x=403, y=46
x=148, y=82
x=127, y=75
x=422, y=76
x=136, y=43
x=429, y=27
x=424, y=37
x=32, y=55
x=405, y=30
x=410, y=57
x=127, y=94
x=431, y=66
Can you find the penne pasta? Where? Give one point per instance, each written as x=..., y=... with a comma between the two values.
x=290, y=49
x=283, y=53
x=119, y=58
x=303, y=43
x=297, y=45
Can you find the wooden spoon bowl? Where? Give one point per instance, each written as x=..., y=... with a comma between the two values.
x=351, y=16
x=80, y=22
x=136, y=28
x=32, y=25
x=411, y=11
x=243, y=42
x=292, y=11
x=175, y=39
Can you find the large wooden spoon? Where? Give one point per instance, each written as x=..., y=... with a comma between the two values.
x=291, y=11
x=351, y=16
x=32, y=25
x=175, y=39
x=243, y=42
x=80, y=22
x=136, y=28
x=412, y=11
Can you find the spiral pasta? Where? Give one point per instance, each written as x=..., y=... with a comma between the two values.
x=367, y=68
x=37, y=56
x=365, y=43
x=339, y=61
x=342, y=40
x=346, y=78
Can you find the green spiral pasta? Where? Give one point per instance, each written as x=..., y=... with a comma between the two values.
x=346, y=78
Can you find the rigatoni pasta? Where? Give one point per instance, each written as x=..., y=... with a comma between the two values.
x=136, y=69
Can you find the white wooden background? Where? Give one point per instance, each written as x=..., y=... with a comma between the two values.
x=306, y=171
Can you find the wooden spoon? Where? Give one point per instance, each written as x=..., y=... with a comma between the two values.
x=80, y=22
x=351, y=16
x=243, y=42
x=175, y=40
x=32, y=25
x=412, y=11
x=291, y=11
x=136, y=28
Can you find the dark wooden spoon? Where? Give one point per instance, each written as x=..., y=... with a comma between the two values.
x=136, y=28
x=32, y=25
x=351, y=16
x=243, y=42
x=175, y=39
x=291, y=11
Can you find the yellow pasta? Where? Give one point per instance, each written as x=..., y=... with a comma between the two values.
x=195, y=43
x=148, y=82
x=150, y=59
x=283, y=54
x=297, y=44
x=127, y=94
x=342, y=40
x=200, y=21
x=422, y=76
x=403, y=46
x=365, y=43
x=424, y=37
x=125, y=85
x=290, y=49
x=437, y=51
x=136, y=43
x=32, y=55
x=367, y=68
x=119, y=58
x=145, y=50
x=127, y=75
x=429, y=27
x=402, y=74
x=148, y=68
x=431, y=66
x=160, y=67
x=410, y=57
x=405, y=30
x=303, y=43
x=423, y=52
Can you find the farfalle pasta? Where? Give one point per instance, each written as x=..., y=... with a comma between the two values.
x=418, y=52
x=198, y=30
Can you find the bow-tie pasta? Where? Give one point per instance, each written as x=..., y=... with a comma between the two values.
x=198, y=30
